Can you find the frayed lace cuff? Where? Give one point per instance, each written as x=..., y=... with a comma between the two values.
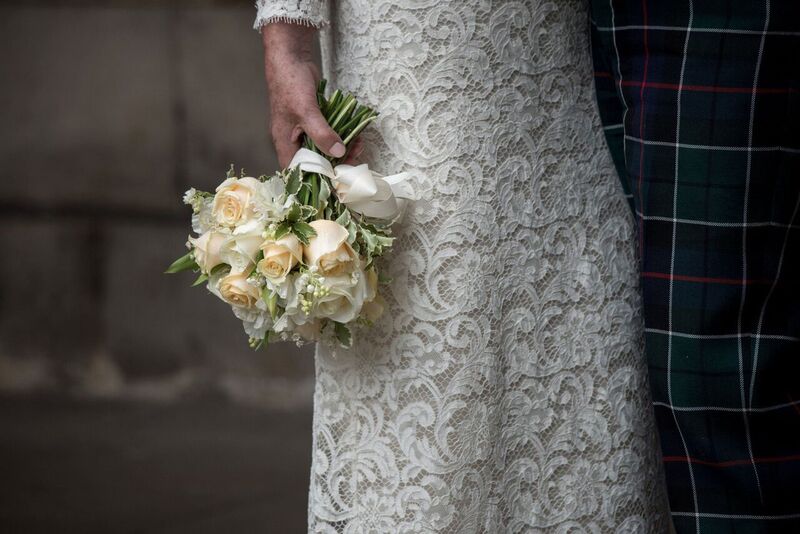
x=305, y=12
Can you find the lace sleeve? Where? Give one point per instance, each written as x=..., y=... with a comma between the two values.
x=307, y=12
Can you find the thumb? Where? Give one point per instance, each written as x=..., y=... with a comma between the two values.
x=318, y=129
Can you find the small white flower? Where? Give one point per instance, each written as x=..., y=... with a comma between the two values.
x=202, y=216
x=270, y=201
x=189, y=196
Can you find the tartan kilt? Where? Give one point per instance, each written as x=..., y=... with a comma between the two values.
x=700, y=106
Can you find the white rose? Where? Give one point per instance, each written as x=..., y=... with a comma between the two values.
x=345, y=299
x=240, y=251
x=329, y=250
x=280, y=257
x=237, y=291
x=233, y=204
x=207, y=249
x=256, y=322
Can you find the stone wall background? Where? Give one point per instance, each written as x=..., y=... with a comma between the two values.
x=111, y=109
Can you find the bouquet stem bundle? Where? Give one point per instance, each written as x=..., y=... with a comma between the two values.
x=348, y=119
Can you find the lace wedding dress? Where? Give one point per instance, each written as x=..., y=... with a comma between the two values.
x=504, y=389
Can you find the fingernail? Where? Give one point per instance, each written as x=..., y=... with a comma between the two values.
x=338, y=150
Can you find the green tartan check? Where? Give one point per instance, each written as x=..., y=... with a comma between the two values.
x=700, y=106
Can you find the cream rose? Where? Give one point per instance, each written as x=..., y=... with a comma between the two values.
x=279, y=257
x=237, y=291
x=207, y=250
x=233, y=204
x=329, y=250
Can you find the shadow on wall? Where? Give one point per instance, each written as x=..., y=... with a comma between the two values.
x=111, y=111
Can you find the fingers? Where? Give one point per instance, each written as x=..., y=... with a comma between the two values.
x=317, y=128
x=286, y=140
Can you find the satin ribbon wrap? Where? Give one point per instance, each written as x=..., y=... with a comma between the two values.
x=357, y=187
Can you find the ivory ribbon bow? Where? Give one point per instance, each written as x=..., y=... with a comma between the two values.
x=360, y=189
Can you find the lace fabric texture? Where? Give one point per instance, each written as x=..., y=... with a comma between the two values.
x=504, y=390
x=307, y=12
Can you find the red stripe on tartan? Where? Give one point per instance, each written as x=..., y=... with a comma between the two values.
x=713, y=88
x=701, y=88
x=704, y=279
x=731, y=463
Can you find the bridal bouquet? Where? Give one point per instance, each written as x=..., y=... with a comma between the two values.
x=294, y=253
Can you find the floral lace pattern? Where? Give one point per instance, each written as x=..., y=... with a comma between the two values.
x=504, y=390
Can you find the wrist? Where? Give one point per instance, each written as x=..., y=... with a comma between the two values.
x=288, y=42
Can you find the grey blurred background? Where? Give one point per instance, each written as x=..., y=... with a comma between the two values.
x=130, y=402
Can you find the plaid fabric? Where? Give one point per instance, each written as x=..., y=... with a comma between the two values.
x=699, y=100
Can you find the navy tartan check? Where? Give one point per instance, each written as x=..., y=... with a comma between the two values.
x=700, y=106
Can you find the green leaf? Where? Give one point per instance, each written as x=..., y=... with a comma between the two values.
x=200, y=279
x=300, y=212
x=294, y=181
x=219, y=268
x=343, y=334
x=262, y=343
x=282, y=229
x=184, y=263
x=231, y=173
x=352, y=229
x=303, y=231
x=374, y=241
x=370, y=240
x=294, y=213
x=344, y=218
x=271, y=300
x=308, y=212
x=324, y=190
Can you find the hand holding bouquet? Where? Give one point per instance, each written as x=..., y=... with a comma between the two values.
x=294, y=253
